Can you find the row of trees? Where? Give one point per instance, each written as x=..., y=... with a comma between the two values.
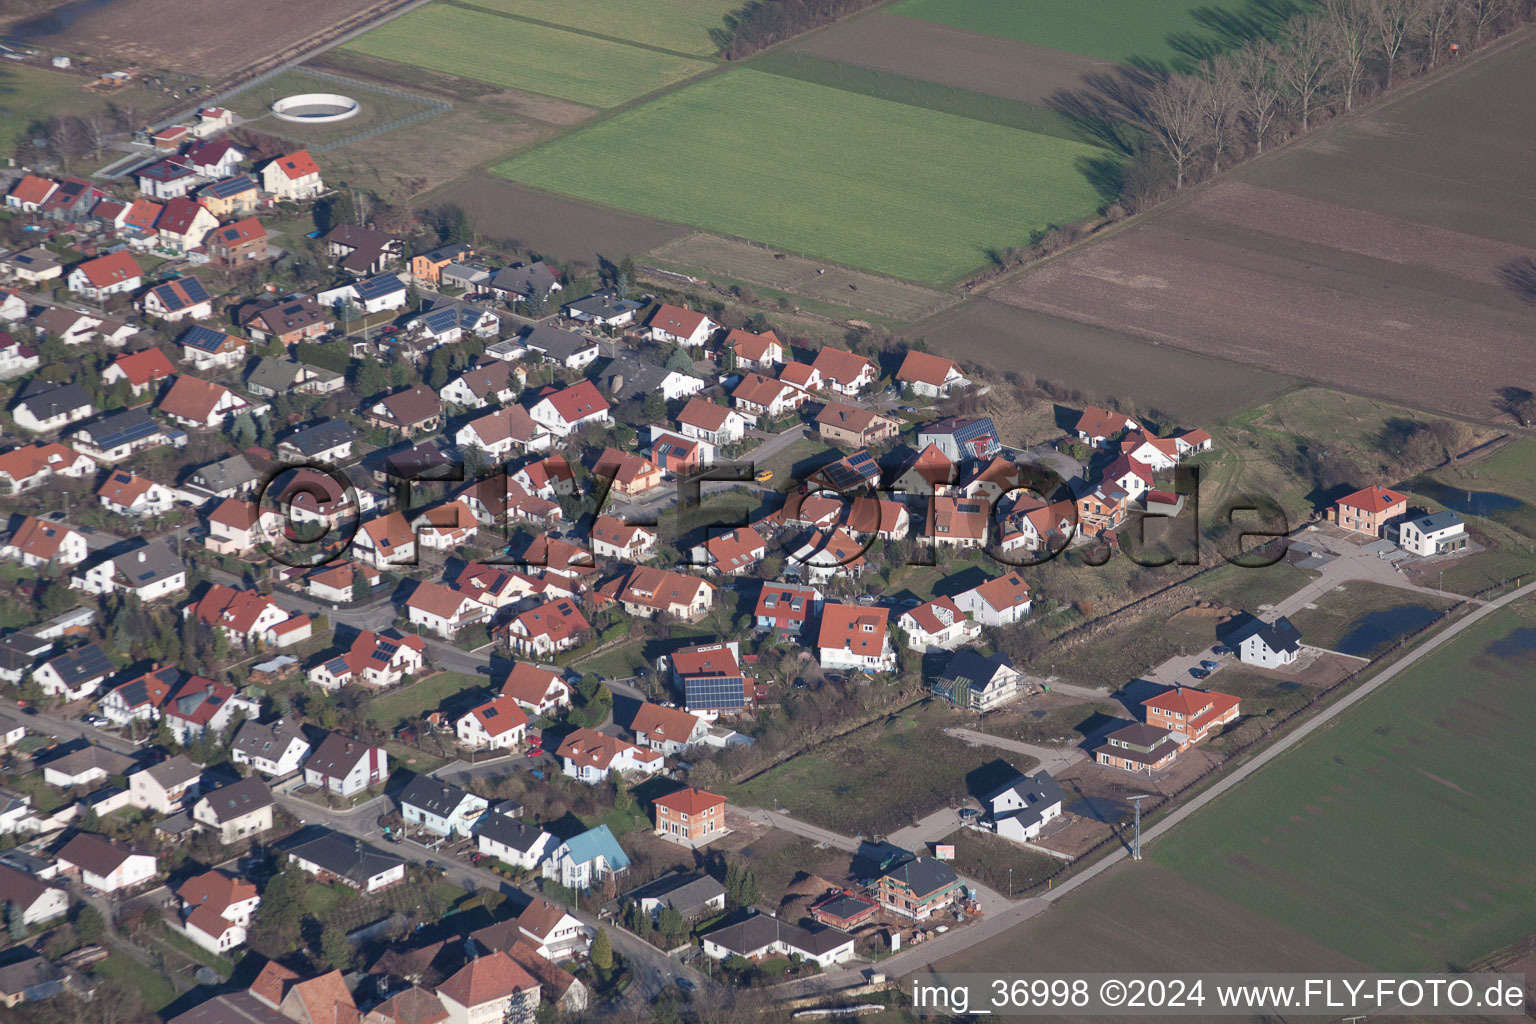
x=1325, y=57
x=763, y=23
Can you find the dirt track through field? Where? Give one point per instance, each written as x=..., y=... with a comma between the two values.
x=952, y=56
x=567, y=229
x=1343, y=297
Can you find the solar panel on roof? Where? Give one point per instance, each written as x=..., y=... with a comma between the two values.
x=194, y=289
x=715, y=692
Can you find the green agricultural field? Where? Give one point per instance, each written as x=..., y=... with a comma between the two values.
x=1158, y=30
x=1401, y=835
x=682, y=26
x=910, y=192
x=30, y=94
x=518, y=54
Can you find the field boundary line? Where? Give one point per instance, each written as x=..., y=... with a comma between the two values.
x=574, y=30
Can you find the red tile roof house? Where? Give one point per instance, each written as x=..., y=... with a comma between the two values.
x=182, y=225
x=30, y=193
x=853, y=427
x=855, y=637
x=843, y=372
x=547, y=629
x=614, y=538
x=757, y=395
x=1096, y=427
x=489, y=988
x=246, y=616
x=216, y=909
x=105, y=276
x=38, y=544
x=385, y=541
x=442, y=610
x=785, y=608
x=537, y=691
x=1157, y=453
x=631, y=475
x=500, y=724
x=237, y=244
x=649, y=592
x=564, y=411
x=821, y=558
x=409, y=411
x=755, y=351
x=706, y=421
x=930, y=376
x=958, y=522
x=197, y=403
x=997, y=602
x=690, y=816
x=680, y=326
x=589, y=756
x=445, y=527
x=1129, y=475
x=142, y=370
x=28, y=468
x=1190, y=715
x=732, y=554
x=502, y=432
x=1370, y=510
x=939, y=623
x=293, y=176
x=669, y=730
x=128, y=495
x=376, y=660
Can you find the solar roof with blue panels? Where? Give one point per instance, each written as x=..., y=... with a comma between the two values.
x=231, y=186
x=378, y=287
x=857, y=469
x=440, y=321
x=715, y=693
x=123, y=428
x=181, y=293
x=204, y=338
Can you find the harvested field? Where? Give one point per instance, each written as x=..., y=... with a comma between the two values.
x=1456, y=155
x=1424, y=783
x=209, y=39
x=840, y=285
x=898, y=189
x=951, y=56
x=565, y=228
x=1193, y=388
x=519, y=54
x=1294, y=285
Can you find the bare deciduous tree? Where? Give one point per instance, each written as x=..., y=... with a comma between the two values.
x=1257, y=68
x=1176, y=114
x=1439, y=21
x=1392, y=22
x=1221, y=103
x=1484, y=14
x=1349, y=35
x=95, y=132
x=1306, y=62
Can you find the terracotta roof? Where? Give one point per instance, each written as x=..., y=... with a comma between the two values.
x=707, y=660
x=114, y=268
x=834, y=363
x=236, y=609
x=853, y=628
x=759, y=390
x=927, y=615
x=704, y=414
x=736, y=550
x=926, y=368
x=657, y=588
x=615, y=531
x=1096, y=422
x=592, y=749
x=659, y=723
x=413, y=1006
x=540, y=917
x=24, y=463
x=676, y=320
x=1374, y=498
x=191, y=398
x=39, y=539
x=297, y=164
x=215, y=890
x=124, y=488
x=33, y=189
x=578, y=401
x=142, y=214
x=487, y=978
x=752, y=346
x=327, y=1000
x=690, y=801
x=145, y=367
x=436, y=599
x=271, y=985
x=179, y=215
x=1185, y=700
x=499, y=715
x=1007, y=591
x=848, y=417
x=248, y=229
x=531, y=685
x=796, y=373
x=626, y=468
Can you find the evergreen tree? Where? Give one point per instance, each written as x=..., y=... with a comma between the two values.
x=602, y=951
x=670, y=923
x=90, y=925
x=334, y=948
x=654, y=408
x=15, y=921
x=360, y=588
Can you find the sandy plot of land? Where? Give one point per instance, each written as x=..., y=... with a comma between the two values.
x=558, y=226
x=1340, y=296
x=208, y=38
x=1103, y=364
x=952, y=56
x=815, y=279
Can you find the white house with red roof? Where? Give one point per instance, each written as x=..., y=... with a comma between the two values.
x=536, y=690
x=1193, y=442
x=182, y=224
x=717, y=424
x=1097, y=426
x=612, y=537
x=37, y=544
x=938, y=623
x=1132, y=476
x=757, y=395
x=445, y=527
x=755, y=351
x=385, y=541
x=129, y=495
x=997, y=602
x=443, y=610
x=29, y=467
x=143, y=370
x=113, y=274
x=680, y=326
x=235, y=527
x=843, y=372
x=197, y=403
x=201, y=706
x=292, y=176
x=216, y=908
x=732, y=554
x=929, y=375
x=564, y=411
x=785, y=608
x=378, y=660
x=855, y=637
x=647, y=592
x=246, y=616
x=498, y=724
x=1156, y=453
x=31, y=192
x=669, y=730
x=547, y=629
x=587, y=755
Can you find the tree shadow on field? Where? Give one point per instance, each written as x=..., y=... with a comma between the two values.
x=1519, y=276
x=1105, y=173
x=1109, y=108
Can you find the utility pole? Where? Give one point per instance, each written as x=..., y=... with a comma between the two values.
x=1136, y=833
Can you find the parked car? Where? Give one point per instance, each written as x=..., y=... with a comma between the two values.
x=95, y=720
x=1199, y=673
x=1221, y=649
x=1209, y=665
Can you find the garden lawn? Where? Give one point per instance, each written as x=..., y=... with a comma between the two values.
x=409, y=702
x=1159, y=30
x=1364, y=619
x=906, y=191
x=678, y=25
x=521, y=55
x=1400, y=835
x=153, y=988
x=30, y=94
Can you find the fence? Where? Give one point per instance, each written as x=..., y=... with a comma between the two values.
x=432, y=105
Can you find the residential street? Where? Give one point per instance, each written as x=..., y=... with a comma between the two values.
x=1052, y=759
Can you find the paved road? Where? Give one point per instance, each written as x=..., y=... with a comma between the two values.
x=1052, y=759
x=64, y=729
x=799, y=828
